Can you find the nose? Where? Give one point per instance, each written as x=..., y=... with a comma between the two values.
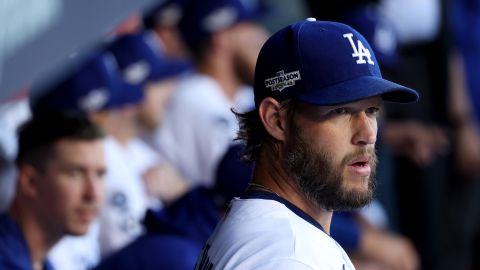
x=94, y=189
x=364, y=129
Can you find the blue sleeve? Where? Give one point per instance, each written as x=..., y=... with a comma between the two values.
x=152, y=252
x=345, y=230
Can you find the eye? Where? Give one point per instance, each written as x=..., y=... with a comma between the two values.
x=74, y=172
x=340, y=111
x=373, y=111
x=101, y=174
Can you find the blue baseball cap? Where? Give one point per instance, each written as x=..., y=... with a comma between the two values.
x=140, y=58
x=322, y=63
x=94, y=86
x=203, y=18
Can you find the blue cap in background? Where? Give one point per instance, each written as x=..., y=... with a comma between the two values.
x=94, y=86
x=203, y=18
x=322, y=63
x=140, y=58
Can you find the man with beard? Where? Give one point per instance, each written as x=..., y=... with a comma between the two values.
x=199, y=127
x=318, y=91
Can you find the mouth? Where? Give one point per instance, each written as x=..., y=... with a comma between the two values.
x=87, y=214
x=360, y=166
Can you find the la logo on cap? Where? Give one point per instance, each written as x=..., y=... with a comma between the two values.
x=359, y=52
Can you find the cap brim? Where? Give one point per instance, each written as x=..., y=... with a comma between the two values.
x=130, y=95
x=358, y=89
x=169, y=68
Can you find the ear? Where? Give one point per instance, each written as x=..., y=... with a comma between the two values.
x=27, y=181
x=273, y=117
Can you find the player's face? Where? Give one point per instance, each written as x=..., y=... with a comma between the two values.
x=70, y=186
x=330, y=153
x=247, y=40
x=152, y=109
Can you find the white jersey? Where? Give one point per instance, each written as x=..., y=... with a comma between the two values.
x=198, y=128
x=77, y=252
x=264, y=231
x=126, y=199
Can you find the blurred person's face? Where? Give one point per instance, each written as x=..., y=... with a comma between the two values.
x=247, y=40
x=330, y=153
x=132, y=24
x=152, y=109
x=70, y=187
x=120, y=123
x=172, y=42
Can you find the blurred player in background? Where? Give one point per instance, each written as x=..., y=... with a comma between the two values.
x=60, y=188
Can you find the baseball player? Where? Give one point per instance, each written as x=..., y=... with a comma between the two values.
x=318, y=90
x=199, y=126
x=60, y=166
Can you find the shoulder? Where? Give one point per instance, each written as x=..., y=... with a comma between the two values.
x=154, y=251
x=257, y=232
x=253, y=230
x=13, y=249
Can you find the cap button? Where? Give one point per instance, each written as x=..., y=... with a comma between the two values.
x=311, y=19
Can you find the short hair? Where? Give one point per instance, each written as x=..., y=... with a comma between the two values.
x=253, y=132
x=199, y=51
x=37, y=137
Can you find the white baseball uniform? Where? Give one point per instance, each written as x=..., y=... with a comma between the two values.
x=126, y=198
x=198, y=127
x=264, y=231
x=77, y=252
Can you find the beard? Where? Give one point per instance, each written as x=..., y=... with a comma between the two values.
x=321, y=180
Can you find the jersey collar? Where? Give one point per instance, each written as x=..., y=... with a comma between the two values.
x=258, y=194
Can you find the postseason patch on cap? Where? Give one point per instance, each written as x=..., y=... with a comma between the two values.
x=282, y=80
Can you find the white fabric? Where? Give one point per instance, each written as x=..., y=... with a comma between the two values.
x=12, y=115
x=265, y=234
x=198, y=127
x=126, y=200
x=413, y=20
x=77, y=252
x=375, y=214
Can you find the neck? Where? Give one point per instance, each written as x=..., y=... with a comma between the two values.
x=222, y=70
x=270, y=174
x=39, y=237
x=117, y=124
x=123, y=136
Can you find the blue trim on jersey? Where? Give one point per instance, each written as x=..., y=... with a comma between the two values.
x=258, y=194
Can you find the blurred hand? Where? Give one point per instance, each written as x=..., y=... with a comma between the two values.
x=416, y=141
x=365, y=264
x=388, y=250
x=467, y=149
x=165, y=183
